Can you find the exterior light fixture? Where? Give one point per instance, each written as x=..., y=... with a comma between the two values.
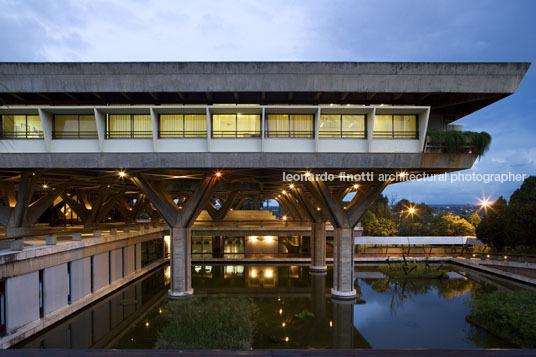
x=286, y=339
x=356, y=186
x=122, y=174
x=291, y=186
x=284, y=218
x=280, y=311
x=307, y=174
x=45, y=186
x=283, y=324
x=402, y=174
x=218, y=174
x=318, y=208
x=284, y=192
x=147, y=324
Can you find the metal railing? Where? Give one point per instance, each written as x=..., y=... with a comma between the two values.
x=395, y=134
x=289, y=133
x=182, y=134
x=64, y=134
x=129, y=134
x=21, y=134
x=236, y=133
x=356, y=134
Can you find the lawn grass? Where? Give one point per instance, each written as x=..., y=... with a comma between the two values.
x=214, y=322
x=510, y=315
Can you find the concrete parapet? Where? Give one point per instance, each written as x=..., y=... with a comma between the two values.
x=17, y=244
x=77, y=236
x=51, y=239
x=96, y=233
x=113, y=231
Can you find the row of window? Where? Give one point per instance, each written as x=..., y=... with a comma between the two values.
x=223, y=126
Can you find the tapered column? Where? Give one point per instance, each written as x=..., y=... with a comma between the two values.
x=343, y=264
x=181, y=249
x=343, y=324
x=318, y=247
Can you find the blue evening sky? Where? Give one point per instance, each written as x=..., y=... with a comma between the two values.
x=440, y=30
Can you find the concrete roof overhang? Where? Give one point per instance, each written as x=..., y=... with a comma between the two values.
x=451, y=89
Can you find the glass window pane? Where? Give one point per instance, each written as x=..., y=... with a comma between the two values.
x=142, y=126
x=301, y=125
x=383, y=126
x=195, y=125
x=405, y=126
x=277, y=125
x=248, y=125
x=224, y=125
x=353, y=126
x=87, y=123
x=34, y=128
x=330, y=126
x=66, y=123
x=9, y=124
x=171, y=125
x=119, y=126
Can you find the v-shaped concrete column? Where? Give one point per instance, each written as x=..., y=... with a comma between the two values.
x=344, y=221
x=180, y=221
x=318, y=229
x=21, y=212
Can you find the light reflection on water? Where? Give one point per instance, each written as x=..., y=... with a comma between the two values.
x=388, y=314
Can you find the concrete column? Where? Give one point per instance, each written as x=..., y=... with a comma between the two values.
x=343, y=324
x=343, y=264
x=318, y=247
x=181, y=252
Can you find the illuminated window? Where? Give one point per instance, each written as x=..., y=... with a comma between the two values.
x=183, y=126
x=74, y=126
x=290, y=125
x=21, y=127
x=343, y=126
x=236, y=125
x=396, y=126
x=128, y=126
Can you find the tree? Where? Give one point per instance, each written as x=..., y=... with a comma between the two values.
x=521, y=215
x=451, y=225
x=474, y=219
x=491, y=229
x=374, y=226
x=381, y=208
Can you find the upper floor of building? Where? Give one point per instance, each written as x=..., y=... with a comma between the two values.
x=309, y=107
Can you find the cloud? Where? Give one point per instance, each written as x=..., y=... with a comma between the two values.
x=242, y=30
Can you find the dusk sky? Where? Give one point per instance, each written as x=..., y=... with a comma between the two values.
x=442, y=31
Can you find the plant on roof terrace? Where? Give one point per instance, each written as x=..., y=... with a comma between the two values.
x=458, y=142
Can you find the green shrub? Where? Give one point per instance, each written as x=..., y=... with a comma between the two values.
x=456, y=142
x=509, y=314
x=479, y=142
x=215, y=322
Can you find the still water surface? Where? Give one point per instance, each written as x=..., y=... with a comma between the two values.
x=388, y=314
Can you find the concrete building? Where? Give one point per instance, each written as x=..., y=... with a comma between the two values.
x=113, y=141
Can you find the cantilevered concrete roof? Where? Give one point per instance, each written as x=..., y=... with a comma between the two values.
x=451, y=89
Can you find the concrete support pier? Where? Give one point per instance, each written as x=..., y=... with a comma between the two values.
x=318, y=247
x=343, y=264
x=181, y=253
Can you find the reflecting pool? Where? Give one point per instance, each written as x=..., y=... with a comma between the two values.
x=294, y=310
